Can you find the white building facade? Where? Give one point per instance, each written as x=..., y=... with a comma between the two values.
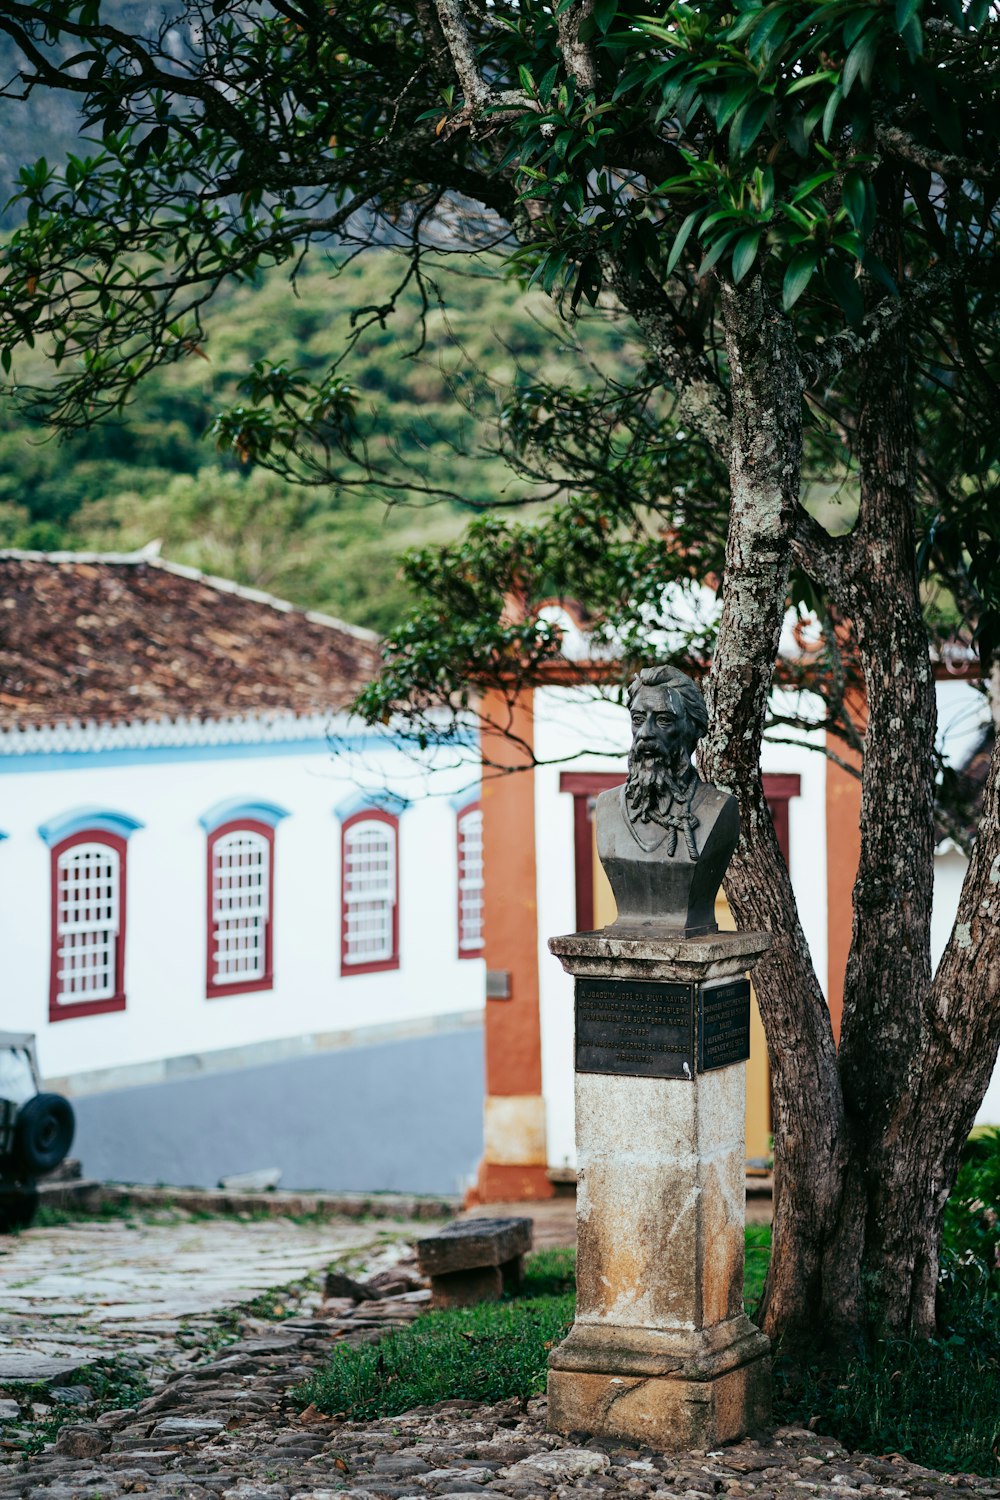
x=246, y=941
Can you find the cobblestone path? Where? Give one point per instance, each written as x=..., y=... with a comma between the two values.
x=228, y=1432
x=101, y=1285
x=94, y=1314
x=219, y=1422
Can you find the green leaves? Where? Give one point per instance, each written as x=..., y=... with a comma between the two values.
x=860, y=61
x=833, y=103
x=846, y=289
x=907, y=19
x=727, y=138
x=858, y=197
x=604, y=12
x=459, y=638
x=680, y=240
x=778, y=98
x=716, y=251
x=745, y=253
x=588, y=281
x=748, y=123
x=811, y=184
x=797, y=277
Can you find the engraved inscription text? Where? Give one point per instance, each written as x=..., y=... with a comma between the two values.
x=723, y=1024
x=632, y=1027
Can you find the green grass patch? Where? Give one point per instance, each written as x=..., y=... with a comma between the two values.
x=484, y=1353
x=113, y=1384
x=937, y=1403
x=49, y=1216
x=278, y=1303
x=758, y=1257
x=971, y=1229
x=550, y=1273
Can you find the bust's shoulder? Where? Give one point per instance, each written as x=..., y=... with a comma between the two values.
x=712, y=797
x=717, y=809
x=611, y=796
x=608, y=809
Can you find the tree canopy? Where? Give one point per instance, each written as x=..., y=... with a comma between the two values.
x=649, y=155
x=795, y=203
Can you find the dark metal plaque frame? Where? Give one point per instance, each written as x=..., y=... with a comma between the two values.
x=723, y=1024
x=646, y=1029
x=635, y=1027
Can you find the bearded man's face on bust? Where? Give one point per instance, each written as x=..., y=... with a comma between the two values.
x=660, y=729
x=659, y=763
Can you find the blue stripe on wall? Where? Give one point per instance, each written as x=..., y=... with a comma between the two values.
x=404, y=1116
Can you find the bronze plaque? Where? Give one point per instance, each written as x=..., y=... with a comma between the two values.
x=723, y=1024
x=635, y=1027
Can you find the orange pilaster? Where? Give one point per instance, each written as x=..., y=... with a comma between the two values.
x=843, y=850
x=514, y=1160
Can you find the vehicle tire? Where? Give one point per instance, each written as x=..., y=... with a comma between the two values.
x=43, y=1134
x=17, y=1208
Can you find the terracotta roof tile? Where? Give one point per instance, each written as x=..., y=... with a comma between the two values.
x=121, y=639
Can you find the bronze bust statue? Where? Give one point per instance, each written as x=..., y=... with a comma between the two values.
x=666, y=837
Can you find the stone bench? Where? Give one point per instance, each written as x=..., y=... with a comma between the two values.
x=474, y=1260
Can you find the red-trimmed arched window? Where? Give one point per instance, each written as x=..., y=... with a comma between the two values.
x=470, y=881
x=88, y=925
x=369, y=892
x=240, y=908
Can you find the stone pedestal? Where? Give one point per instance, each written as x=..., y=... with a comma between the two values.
x=661, y=1351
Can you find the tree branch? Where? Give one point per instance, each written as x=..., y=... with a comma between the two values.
x=819, y=370
x=765, y=462
x=576, y=54
x=478, y=95
x=701, y=401
x=820, y=555
x=463, y=52
x=896, y=142
x=15, y=20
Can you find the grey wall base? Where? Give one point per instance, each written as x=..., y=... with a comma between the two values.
x=399, y=1116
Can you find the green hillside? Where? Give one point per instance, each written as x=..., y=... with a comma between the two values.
x=155, y=474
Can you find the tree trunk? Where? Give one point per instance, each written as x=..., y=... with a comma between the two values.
x=912, y=1049
x=859, y=1193
x=808, y=1111
x=887, y=987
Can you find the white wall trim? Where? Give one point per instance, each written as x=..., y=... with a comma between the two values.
x=249, y=729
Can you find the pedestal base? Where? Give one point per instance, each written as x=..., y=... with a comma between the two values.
x=669, y=1390
x=661, y=1351
x=661, y=1411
